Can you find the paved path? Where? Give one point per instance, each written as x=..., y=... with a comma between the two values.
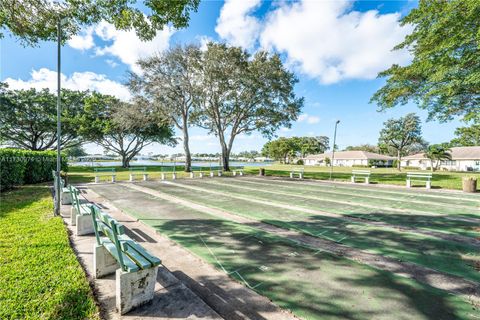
x=203, y=291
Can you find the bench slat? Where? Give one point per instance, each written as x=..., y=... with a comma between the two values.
x=141, y=256
x=130, y=265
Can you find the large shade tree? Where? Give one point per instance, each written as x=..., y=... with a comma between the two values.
x=35, y=20
x=28, y=118
x=399, y=134
x=444, y=74
x=242, y=93
x=123, y=128
x=467, y=136
x=170, y=82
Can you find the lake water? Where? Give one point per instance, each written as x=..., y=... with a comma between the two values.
x=160, y=163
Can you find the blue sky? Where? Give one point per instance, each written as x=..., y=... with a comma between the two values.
x=336, y=48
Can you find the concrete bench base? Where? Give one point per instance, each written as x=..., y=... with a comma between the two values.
x=292, y=174
x=66, y=198
x=240, y=173
x=97, y=178
x=428, y=184
x=132, y=176
x=164, y=176
x=84, y=225
x=367, y=179
x=132, y=288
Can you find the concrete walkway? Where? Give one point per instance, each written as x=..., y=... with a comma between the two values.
x=187, y=287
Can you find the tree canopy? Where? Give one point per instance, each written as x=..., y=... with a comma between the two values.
x=444, y=75
x=284, y=149
x=467, y=136
x=28, y=118
x=399, y=134
x=170, y=83
x=36, y=20
x=241, y=94
x=123, y=128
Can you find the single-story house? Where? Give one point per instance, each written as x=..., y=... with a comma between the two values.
x=463, y=159
x=349, y=159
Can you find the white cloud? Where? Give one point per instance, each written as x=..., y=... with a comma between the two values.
x=83, y=41
x=128, y=47
x=305, y=117
x=331, y=42
x=236, y=26
x=111, y=63
x=46, y=78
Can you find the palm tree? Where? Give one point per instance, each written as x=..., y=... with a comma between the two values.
x=437, y=152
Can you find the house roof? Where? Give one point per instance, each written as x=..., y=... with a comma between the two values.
x=458, y=153
x=350, y=155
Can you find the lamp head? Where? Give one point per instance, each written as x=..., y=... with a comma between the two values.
x=338, y=121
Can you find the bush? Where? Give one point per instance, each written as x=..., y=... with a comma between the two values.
x=300, y=162
x=24, y=166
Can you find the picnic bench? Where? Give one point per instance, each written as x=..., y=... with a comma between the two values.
x=298, y=172
x=237, y=169
x=65, y=196
x=201, y=171
x=421, y=177
x=164, y=171
x=80, y=214
x=140, y=171
x=136, y=269
x=104, y=172
x=361, y=174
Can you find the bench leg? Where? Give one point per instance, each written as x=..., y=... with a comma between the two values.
x=174, y=176
x=84, y=225
x=73, y=216
x=367, y=180
x=291, y=175
x=234, y=173
x=192, y=175
x=241, y=173
x=134, y=289
x=219, y=173
x=409, y=183
x=428, y=185
x=353, y=179
x=131, y=178
x=300, y=176
x=97, y=179
x=66, y=198
x=145, y=177
x=200, y=175
x=211, y=174
x=113, y=178
x=103, y=262
x=163, y=176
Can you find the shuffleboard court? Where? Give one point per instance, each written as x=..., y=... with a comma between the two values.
x=312, y=283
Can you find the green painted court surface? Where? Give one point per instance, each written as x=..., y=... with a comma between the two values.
x=310, y=282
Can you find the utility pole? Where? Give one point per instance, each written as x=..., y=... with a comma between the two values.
x=333, y=149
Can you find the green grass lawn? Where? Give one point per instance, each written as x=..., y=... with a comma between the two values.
x=40, y=277
x=441, y=179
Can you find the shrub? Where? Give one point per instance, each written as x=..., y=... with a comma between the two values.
x=24, y=166
x=300, y=162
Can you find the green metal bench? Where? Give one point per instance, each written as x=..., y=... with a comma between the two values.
x=420, y=177
x=65, y=195
x=165, y=171
x=201, y=171
x=104, y=172
x=239, y=169
x=142, y=171
x=218, y=169
x=80, y=214
x=136, y=269
x=298, y=172
x=362, y=174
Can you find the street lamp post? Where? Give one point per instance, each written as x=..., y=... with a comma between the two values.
x=58, y=190
x=333, y=149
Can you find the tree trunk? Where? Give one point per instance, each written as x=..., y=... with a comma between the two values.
x=125, y=161
x=225, y=158
x=431, y=166
x=186, y=148
x=399, y=161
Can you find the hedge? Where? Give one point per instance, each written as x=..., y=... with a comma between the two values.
x=19, y=167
